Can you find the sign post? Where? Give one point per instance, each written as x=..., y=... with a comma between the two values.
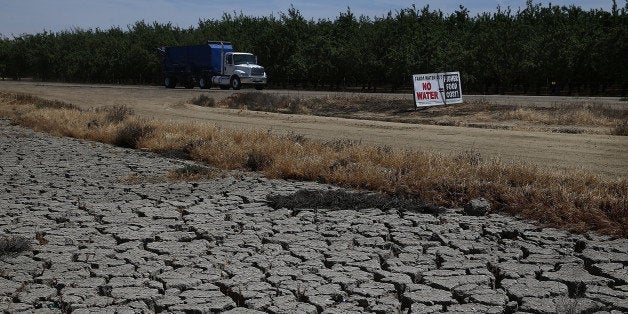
x=434, y=89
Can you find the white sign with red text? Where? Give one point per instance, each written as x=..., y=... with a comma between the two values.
x=435, y=89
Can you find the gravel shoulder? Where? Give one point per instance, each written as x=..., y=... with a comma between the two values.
x=102, y=245
x=601, y=154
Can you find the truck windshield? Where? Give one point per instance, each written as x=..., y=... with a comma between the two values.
x=244, y=59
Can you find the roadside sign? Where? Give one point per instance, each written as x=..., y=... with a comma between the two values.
x=435, y=89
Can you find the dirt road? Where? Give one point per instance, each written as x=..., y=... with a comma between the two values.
x=603, y=154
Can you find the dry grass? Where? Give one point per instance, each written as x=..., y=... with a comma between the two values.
x=566, y=115
x=192, y=173
x=562, y=118
x=117, y=113
x=576, y=201
x=19, y=99
x=621, y=129
x=203, y=101
x=132, y=132
x=258, y=101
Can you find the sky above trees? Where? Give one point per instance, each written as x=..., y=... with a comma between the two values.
x=35, y=16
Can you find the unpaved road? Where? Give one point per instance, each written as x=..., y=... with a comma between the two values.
x=602, y=154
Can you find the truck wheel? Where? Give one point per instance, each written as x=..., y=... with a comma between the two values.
x=169, y=82
x=205, y=83
x=235, y=83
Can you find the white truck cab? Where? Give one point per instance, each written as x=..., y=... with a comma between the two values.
x=240, y=68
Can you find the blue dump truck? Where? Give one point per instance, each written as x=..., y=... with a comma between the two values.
x=212, y=64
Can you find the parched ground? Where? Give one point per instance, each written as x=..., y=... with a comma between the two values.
x=601, y=154
x=101, y=243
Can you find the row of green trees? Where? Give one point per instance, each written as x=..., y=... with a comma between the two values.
x=538, y=49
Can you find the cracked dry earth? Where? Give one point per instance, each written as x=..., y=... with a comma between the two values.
x=102, y=245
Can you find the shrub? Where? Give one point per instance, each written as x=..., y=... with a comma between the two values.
x=191, y=172
x=341, y=144
x=472, y=157
x=204, y=101
x=296, y=138
x=53, y=104
x=257, y=161
x=130, y=134
x=39, y=103
x=568, y=130
x=257, y=101
x=621, y=129
x=192, y=169
x=117, y=114
x=14, y=245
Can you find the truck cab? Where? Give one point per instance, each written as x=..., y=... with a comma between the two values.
x=240, y=68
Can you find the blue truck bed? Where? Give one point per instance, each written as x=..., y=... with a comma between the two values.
x=196, y=59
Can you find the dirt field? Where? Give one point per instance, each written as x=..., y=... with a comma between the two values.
x=602, y=154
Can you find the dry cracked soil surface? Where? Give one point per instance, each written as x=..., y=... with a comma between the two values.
x=103, y=244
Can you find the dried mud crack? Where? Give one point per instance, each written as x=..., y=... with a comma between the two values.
x=222, y=245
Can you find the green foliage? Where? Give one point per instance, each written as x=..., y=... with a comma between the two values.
x=538, y=49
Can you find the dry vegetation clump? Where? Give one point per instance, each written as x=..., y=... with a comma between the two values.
x=267, y=102
x=576, y=201
x=114, y=125
x=131, y=133
x=117, y=113
x=186, y=173
x=204, y=101
x=346, y=106
x=258, y=161
x=21, y=99
x=62, y=122
x=11, y=244
x=621, y=129
x=191, y=173
x=561, y=118
x=578, y=115
x=324, y=106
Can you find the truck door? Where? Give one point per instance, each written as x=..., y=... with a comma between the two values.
x=228, y=65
